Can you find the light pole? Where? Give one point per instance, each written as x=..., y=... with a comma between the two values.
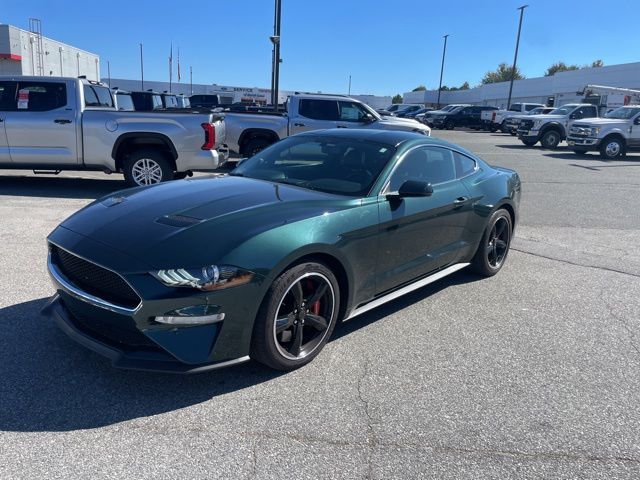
x=141, y=68
x=515, y=57
x=109, y=72
x=60, y=49
x=444, y=52
x=275, y=56
x=349, y=86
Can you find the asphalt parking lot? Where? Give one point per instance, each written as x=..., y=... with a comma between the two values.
x=534, y=373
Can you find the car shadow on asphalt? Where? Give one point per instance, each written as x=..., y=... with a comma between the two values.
x=596, y=158
x=49, y=383
x=522, y=146
x=59, y=187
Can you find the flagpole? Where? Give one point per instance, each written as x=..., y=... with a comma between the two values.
x=170, y=67
x=141, y=68
x=191, y=78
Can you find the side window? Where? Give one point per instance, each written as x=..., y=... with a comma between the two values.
x=585, y=112
x=40, y=96
x=319, y=109
x=351, y=111
x=8, y=96
x=515, y=107
x=427, y=164
x=528, y=108
x=464, y=165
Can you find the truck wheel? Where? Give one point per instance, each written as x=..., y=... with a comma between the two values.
x=503, y=127
x=449, y=125
x=580, y=151
x=612, y=147
x=529, y=143
x=147, y=167
x=550, y=139
x=493, y=128
x=255, y=145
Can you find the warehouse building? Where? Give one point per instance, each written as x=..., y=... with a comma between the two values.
x=561, y=88
x=25, y=52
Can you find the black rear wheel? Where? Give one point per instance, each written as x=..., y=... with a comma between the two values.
x=529, y=143
x=494, y=246
x=551, y=139
x=612, y=147
x=254, y=145
x=297, y=317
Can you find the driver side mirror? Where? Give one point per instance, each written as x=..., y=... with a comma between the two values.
x=368, y=118
x=413, y=188
x=637, y=121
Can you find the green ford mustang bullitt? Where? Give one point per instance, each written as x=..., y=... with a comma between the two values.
x=197, y=274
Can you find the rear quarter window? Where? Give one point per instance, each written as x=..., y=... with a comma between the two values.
x=39, y=96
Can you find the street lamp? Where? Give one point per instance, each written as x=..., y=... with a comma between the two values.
x=515, y=57
x=444, y=52
x=275, y=56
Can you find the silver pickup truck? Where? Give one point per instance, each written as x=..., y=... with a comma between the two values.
x=55, y=123
x=248, y=133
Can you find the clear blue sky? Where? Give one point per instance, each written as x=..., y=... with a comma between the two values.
x=387, y=46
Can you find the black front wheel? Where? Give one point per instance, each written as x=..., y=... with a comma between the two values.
x=612, y=148
x=494, y=246
x=296, y=317
x=551, y=139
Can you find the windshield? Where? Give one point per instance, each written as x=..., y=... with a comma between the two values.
x=516, y=107
x=623, y=113
x=566, y=110
x=341, y=166
x=449, y=108
x=536, y=111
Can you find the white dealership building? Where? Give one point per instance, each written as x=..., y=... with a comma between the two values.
x=561, y=88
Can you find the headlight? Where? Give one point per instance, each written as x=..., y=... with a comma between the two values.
x=207, y=278
x=537, y=124
x=595, y=131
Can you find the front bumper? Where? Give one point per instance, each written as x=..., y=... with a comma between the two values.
x=574, y=141
x=147, y=359
x=529, y=135
x=130, y=336
x=203, y=160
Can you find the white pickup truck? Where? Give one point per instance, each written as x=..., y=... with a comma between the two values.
x=552, y=128
x=613, y=135
x=494, y=120
x=248, y=133
x=56, y=123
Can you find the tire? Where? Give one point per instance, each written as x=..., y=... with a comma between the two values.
x=579, y=151
x=180, y=175
x=491, y=254
x=493, y=128
x=449, y=125
x=303, y=328
x=612, y=147
x=551, y=139
x=529, y=143
x=503, y=127
x=254, y=145
x=146, y=167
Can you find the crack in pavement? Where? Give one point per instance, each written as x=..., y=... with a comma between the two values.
x=569, y=262
x=371, y=434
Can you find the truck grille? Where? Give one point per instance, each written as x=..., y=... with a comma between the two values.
x=526, y=124
x=93, y=279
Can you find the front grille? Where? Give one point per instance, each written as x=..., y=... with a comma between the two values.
x=108, y=327
x=526, y=124
x=93, y=279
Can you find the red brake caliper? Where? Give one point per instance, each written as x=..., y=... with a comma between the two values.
x=315, y=308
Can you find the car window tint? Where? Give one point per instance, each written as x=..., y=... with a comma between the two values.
x=8, y=95
x=464, y=165
x=40, y=96
x=124, y=102
x=427, y=164
x=319, y=109
x=104, y=96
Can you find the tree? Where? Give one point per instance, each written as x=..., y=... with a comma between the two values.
x=419, y=88
x=597, y=63
x=397, y=98
x=501, y=74
x=559, y=67
x=464, y=86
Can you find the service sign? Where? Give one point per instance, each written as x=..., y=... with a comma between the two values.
x=23, y=99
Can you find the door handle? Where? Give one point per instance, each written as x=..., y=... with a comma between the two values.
x=460, y=201
x=299, y=125
x=62, y=120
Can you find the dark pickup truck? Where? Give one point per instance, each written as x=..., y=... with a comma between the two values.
x=467, y=116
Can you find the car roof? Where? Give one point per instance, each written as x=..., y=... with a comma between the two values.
x=389, y=137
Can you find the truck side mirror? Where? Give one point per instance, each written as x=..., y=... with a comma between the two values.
x=636, y=121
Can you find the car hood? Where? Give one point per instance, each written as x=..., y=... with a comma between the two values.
x=546, y=117
x=211, y=214
x=601, y=121
x=397, y=123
